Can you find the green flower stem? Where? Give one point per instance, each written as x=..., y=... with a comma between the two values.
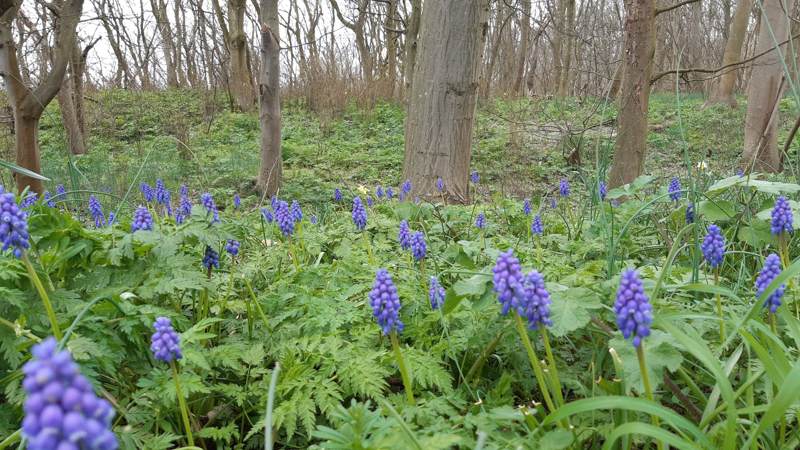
x=537, y=368
x=182, y=404
x=648, y=390
x=12, y=439
x=719, y=310
x=551, y=362
x=398, y=355
x=51, y=314
x=369, y=247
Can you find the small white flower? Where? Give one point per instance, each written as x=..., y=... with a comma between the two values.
x=702, y=166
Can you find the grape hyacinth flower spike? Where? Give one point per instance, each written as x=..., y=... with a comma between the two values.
x=536, y=226
x=436, y=293
x=48, y=199
x=370, y=202
x=62, y=412
x=147, y=192
x=526, y=207
x=210, y=259
x=96, y=210
x=507, y=277
x=405, y=188
x=29, y=200
x=337, y=195
x=602, y=190
x=440, y=184
x=713, y=246
x=385, y=303
x=475, y=177
x=674, y=189
x=267, y=215
x=359, y=214
x=418, y=247
x=232, y=247
x=237, y=201
x=534, y=301
x=632, y=307
x=771, y=269
x=379, y=191
x=404, y=235
x=297, y=212
x=284, y=218
x=211, y=208
x=689, y=213
x=782, y=217
x=13, y=225
x=563, y=188
x=162, y=194
x=389, y=193
x=480, y=221
x=166, y=346
x=142, y=220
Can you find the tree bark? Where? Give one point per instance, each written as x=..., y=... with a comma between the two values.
x=167, y=41
x=723, y=92
x=522, y=56
x=441, y=107
x=631, y=144
x=28, y=103
x=566, y=57
x=271, y=172
x=411, y=43
x=766, y=87
x=240, y=76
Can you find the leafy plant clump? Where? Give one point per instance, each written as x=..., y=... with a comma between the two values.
x=663, y=313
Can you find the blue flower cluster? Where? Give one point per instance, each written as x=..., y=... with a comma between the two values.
x=237, y=201
x=689, y=213
x=61, y=190
x=526, y=207
x=284, y=217
x=61, y=409
x=147, y=192
x=475, y=177
x=782, y=217
x=536, y=226
x=142, y=220
x=563, y=188
x=266, y=214
x=337, y=195
x=165, y=342
x=184, y=206
x=480, y=221
x=297, y=212
x=369, y=201
x=440, y=184
x=211, y=208
x=632, y=307
x=713, y=246
x=771, y=269
x=210, y=258
x=96, y=210
x=418, y=247
x=404, y=235
x=507, y=277
x=379, y=191
x=385, y=302
x=48, y=199
x=163, y=196
x=389, y=193
x=13, y=225
x=602, y=190
x=232, y=247
x=29, y=200
x=533, y=301
x=674, y=189
x=359, y=214
x=436, y=293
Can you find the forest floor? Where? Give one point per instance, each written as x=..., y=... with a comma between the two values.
x=520, y=147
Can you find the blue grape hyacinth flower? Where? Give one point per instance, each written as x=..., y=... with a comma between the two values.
x=48, y=199
x=297, y=212
x=29, y=200
x=337, y=195
x=284, y=218
x=232, y=247
x=165, y=342
x=267, y=215
x=389, y=193
x=480, y=221
x=526, y=207
x=142, y=220
x=418, y=246
x=405, y=188
x=674, y=189
x=313, y=219
x=440, y=184
x=782, y=217
x=379, y=191
x=13, y=225
x=689, y=213
x=536, y=226
x=563, y=187
x=632, y=307
x=96, y=210
x=436, y=293
x=385, y=303
x=602, y=190
x=147, y=192
x=507, y=279
x=210, y=258
x=211, y=208
x=61, y=190
x=370, y=203
x=713, y=246
x=533, y=301
x=237, y=201
x=162, y=194
x=404, y=235
x=771, y=269
x=475, y=177
x=359, y=214
x=62, y=412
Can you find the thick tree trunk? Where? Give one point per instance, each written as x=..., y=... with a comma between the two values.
x=269, y=177
x=723, y=92
x=556, y=42
x=441, y=107
x=522, y=56
x=391, y=48
x=566, y=57
x=766, y=87
x=28, y=103
x=631, y=145
x=241, y=76
x=411, y=43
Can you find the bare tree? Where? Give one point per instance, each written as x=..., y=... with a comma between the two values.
x=28, y=103
x=767, y=85
x=241, y=78
x=723, y=92
x=441, y=107
x=271, y=172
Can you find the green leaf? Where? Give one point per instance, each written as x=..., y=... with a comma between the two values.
x=556, y=440
x=21, y=170
x=756, y=234
x=475, y=285
x=717, y=210
x=773, y=187
x=661, y=352
x=570, y=309
x=645, y=429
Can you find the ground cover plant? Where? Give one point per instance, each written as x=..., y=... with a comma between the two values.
x=659, y=314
